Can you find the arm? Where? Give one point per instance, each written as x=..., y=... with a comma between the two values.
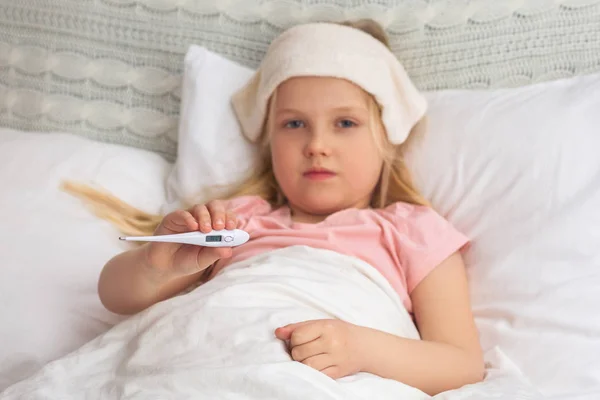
x=155, y=271
x=128, y=285
x=449, y=355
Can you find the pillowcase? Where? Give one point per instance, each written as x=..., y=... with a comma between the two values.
x=52, y=248
x=212, y=151
x=515, y=169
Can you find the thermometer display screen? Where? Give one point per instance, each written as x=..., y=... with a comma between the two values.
x=214, y=238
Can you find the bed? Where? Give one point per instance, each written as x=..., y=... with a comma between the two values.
x=119, y=93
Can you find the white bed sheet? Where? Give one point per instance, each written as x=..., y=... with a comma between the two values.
x=218, y=342
x=52, y=248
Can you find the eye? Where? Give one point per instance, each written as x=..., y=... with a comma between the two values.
x=346, y=123
x=294, y=124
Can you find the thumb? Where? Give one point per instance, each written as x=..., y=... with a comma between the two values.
x=284, y=332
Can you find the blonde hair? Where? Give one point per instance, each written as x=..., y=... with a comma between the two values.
x=395, y=183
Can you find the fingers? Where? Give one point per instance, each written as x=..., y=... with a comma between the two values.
x=231, y=220
x=334, y=372
x=303, y=352
x=311, y=345
x=283, y=333
x=220, y=217
x=319, y=362
x=306, y=332
x=299, y=332
x=217, y=213
x=177, y=222
x=202, y=215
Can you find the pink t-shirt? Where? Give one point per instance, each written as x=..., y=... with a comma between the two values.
x=404, y=242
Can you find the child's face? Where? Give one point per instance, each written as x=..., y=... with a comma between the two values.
x=324, y=123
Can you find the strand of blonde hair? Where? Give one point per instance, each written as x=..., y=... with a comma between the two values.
x=128, y=219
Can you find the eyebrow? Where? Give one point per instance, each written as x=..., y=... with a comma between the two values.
x=338, y=109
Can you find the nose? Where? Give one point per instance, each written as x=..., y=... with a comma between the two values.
x=317, y=144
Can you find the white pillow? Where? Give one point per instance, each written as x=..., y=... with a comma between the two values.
x=516, y=169
x=52, y=248
x=211, y=149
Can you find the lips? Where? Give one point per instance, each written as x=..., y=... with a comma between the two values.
x=319, y=174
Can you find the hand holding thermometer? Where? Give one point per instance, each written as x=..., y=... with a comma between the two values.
x=215, y=238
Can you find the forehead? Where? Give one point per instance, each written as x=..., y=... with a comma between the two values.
x=319, y=92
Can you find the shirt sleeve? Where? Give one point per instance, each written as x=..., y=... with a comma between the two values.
x=424, y=239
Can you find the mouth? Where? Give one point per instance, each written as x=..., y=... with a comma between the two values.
x=319, y=174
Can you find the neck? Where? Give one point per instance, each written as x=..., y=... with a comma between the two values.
x=303, y=216
x=306, y=218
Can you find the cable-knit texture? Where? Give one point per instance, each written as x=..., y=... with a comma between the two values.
x=111, y=69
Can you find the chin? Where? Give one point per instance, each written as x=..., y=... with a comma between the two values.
x=320, y=205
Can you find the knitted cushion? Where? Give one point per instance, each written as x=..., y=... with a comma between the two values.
x=111, y=69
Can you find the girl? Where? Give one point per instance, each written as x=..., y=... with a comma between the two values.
x=330, y=110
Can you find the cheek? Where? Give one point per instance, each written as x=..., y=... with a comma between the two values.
x=280, y=152
x=364, y=160
x=283, y=158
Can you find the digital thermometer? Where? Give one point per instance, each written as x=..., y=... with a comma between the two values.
x=220, y=238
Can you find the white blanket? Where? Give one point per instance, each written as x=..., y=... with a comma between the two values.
x=218, y=342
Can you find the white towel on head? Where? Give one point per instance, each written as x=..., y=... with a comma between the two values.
x=332, y=50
